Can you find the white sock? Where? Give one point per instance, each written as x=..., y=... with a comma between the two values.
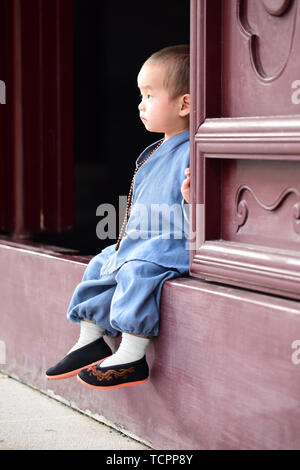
x=132, y=348
x=89, y=332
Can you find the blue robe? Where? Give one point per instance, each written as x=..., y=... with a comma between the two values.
x=121, y=290
x=157, y=197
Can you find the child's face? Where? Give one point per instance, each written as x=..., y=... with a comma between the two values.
x=157, y=111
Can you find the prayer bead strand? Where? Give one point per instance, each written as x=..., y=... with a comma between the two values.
x=128, y=205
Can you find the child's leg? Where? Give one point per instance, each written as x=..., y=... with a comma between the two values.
x=90, y=305
x=132, y=348
x=135, y=308
x=89, y=332
x=135, y=312
x=92, y=297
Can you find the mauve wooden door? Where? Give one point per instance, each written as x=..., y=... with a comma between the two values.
x=36, y=123
x=6, y=121
x=246, y=143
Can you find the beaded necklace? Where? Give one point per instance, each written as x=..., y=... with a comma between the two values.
x=129, y=199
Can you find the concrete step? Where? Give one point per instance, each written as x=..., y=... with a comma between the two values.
x=31, y=420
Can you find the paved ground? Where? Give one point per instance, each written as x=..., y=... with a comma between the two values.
x=30, y=420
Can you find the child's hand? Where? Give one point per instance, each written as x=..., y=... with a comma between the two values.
x=185, y=187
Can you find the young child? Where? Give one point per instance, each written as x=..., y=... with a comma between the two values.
x=121, y=287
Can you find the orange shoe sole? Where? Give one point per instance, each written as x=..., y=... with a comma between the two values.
x=95, y=387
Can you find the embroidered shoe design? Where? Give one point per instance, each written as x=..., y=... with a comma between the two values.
x=111, y=373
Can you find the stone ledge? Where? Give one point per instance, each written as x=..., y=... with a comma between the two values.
x=221, y=370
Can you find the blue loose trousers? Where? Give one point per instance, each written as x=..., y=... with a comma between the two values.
x=127, y=300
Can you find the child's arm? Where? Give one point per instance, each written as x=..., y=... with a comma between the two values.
x=185, y=187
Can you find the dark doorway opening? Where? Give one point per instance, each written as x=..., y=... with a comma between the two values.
x=111, y=42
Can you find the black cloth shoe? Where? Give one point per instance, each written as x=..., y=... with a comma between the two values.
x=121, y=375
x=79, y=359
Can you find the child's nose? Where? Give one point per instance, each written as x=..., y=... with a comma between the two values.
x=141, y=106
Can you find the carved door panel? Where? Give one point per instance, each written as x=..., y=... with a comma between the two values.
x=246, y=143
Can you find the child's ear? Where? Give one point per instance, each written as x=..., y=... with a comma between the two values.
x=185, y=105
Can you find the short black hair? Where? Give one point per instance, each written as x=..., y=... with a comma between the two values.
x=177, y=62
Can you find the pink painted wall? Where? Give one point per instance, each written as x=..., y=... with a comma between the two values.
x=221, y=370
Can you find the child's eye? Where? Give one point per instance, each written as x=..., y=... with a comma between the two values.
x=148, y=97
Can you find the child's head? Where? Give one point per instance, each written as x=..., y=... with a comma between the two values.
x=164, y=84
x=176, y=63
